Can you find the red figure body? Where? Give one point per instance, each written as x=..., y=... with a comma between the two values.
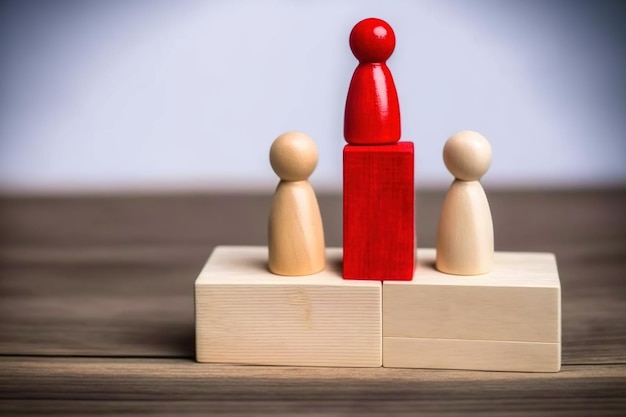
x=372, y=113
x=378, y=212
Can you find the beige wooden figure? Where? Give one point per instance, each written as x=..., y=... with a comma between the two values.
x=465, y=233
x=296, y=235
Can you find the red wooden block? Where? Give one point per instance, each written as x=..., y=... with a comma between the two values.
x=372, y=114
x=379, y=212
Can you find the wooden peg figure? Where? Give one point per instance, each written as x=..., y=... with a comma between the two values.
x=465, y=233
x=296, y=235
x=372, y=115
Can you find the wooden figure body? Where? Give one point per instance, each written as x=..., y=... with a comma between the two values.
x=295, y=231
x=372, y=114
x=465, y=233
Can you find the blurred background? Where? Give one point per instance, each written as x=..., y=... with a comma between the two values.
x=188, y=95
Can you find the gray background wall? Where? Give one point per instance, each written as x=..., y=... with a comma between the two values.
x=110, y=95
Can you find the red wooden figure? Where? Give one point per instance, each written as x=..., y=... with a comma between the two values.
x=372, y=113
x=378, y=212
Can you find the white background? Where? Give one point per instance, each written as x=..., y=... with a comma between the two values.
x=116, y=95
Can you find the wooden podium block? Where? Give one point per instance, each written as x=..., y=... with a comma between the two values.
x=506, y=320
x=378, y=212
x=247, y=315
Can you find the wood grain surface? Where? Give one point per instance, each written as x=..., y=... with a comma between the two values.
x=96, y=300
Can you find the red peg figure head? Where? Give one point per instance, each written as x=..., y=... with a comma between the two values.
x=372, y=41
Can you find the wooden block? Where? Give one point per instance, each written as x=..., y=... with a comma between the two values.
x=509, y=319
x=482, y=355
x=378, y=212
x=247, y=315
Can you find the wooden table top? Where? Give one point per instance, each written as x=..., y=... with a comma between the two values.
x=97, y=311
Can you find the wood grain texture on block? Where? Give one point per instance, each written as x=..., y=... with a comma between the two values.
x=481, y=355
x=518, y=301
x=247, y=315
x=379, y=212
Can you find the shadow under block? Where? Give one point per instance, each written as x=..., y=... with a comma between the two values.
x=247, y=315
x=378, y=212
x=506, y=320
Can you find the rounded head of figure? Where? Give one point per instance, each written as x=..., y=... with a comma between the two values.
x=372, y=41
x=293, y=156
x=467, y=155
